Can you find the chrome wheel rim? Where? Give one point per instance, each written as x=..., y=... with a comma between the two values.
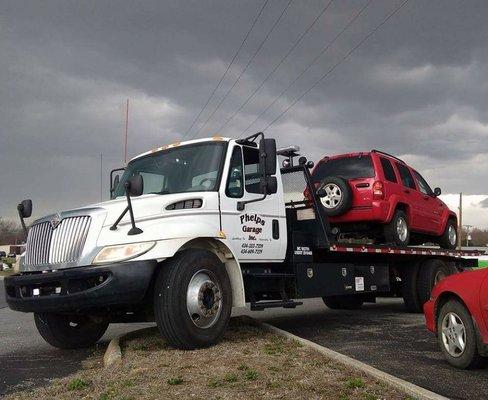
x=204, y=299
x=452, y=235
x=453, y=334
x=402, y=229
x=333, y=195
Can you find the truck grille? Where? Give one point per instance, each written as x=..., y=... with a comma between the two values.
x=62, y=244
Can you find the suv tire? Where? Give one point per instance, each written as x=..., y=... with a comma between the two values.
x=448, y=240
x=397, y=231
x=68, y=332
x=192, y=299
x=337, y=198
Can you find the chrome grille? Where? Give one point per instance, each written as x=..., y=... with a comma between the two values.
x=63, y=244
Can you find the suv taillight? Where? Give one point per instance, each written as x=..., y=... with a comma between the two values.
x=378, y=192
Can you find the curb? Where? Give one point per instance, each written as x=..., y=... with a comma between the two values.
x=397, y=383
x=113, y=354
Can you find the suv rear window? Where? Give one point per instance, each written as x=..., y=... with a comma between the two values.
x=345, y=167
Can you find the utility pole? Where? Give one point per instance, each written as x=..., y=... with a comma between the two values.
x=126, y=130
x=468, y=236
x=460, y=221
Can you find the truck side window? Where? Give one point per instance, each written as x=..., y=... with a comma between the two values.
x=235, y=180
x=407, y=178
x=251, y=170
x=388, y=170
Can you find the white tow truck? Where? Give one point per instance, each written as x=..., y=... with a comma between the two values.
x=194, y=229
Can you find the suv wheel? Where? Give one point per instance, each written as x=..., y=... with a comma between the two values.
x=398, y=231
x=448, y=240
x=336, y=196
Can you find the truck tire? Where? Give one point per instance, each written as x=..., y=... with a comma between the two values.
x=409, y=275
x=431, y=272
x=338, y=195
x=397, y=231
x=192, y=300
x=68, y=331
x=454, y=320
x=448, y=240
x=345, y=302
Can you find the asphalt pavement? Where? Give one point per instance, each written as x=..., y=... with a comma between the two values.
x=381, y=334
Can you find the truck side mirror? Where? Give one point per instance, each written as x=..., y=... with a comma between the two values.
x=271, y=185
x=115, y=180
x=267, y=156
x=135, y=185
x=25, y=208
x=437, y=192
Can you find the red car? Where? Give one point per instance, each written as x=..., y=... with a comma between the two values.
x=458, y=314
x=378, y=195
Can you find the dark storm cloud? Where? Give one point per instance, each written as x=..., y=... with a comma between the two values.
x=417, y=88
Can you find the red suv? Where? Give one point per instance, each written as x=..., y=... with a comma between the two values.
x=377, y=195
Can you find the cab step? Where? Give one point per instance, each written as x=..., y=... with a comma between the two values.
x=261, y=305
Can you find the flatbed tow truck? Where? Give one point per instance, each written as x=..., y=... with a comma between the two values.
x=196, y=228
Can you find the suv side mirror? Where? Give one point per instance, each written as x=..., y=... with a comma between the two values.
x=135, y=185
x=25, y=208
x=437, y=192
x=267, y=156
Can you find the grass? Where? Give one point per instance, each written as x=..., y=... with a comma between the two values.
x=248, y=364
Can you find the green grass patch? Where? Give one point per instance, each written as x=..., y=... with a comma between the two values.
x=250, y=375
x=231, y=378
x=175, y=381
x=78, y=384
x=215, y=383
x=354, y=383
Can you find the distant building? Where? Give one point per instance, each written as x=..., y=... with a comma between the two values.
x=13, y=248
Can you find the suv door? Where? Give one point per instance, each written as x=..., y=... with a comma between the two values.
x=432, y=208
x=258, y=233
x=411, y=196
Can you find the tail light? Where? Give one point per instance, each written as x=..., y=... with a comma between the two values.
x=378, y=191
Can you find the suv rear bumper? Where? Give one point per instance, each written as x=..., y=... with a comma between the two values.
x=378, y=211
x=80, y=288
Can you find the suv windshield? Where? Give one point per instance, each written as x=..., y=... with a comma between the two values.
x=191, y=168
x=345, y=167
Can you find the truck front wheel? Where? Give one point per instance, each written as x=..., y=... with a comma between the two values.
x=69, y=331
x=192, y=299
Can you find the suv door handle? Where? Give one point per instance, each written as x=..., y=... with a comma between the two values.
x=406, y=191
x=426, y=198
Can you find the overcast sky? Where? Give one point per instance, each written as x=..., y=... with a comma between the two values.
x=418, y=88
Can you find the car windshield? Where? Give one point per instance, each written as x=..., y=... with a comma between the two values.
x=190, y=168
x=345, y=167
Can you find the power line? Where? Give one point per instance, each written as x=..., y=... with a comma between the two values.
x=275, y=68
x=344, y=58
x=317, y=57
x=256, y=18
x=245, y=68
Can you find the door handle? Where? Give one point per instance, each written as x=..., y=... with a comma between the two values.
x=426, y=198
x=406, y=191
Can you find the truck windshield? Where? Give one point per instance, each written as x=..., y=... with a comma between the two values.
x=345, y=167
x=191, y=168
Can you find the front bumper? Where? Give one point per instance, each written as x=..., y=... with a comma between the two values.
x=80, y=288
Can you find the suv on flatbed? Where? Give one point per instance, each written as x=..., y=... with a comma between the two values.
x=376, y=194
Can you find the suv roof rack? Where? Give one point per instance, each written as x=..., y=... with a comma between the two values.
x=387, y=154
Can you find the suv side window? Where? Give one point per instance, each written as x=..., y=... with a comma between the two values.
x=235, y=180
x=251, y=170
x=388, y=170
x=423, y=185
x=407, y=178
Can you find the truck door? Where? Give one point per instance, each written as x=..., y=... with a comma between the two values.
x=258, y=233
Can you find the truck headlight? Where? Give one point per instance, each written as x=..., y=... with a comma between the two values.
x=122, y=252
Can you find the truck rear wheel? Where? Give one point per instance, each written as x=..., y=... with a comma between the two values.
x=68, y=331
x=192, y=300
x=431, y=272
x=346, y=302
x=409, y=275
